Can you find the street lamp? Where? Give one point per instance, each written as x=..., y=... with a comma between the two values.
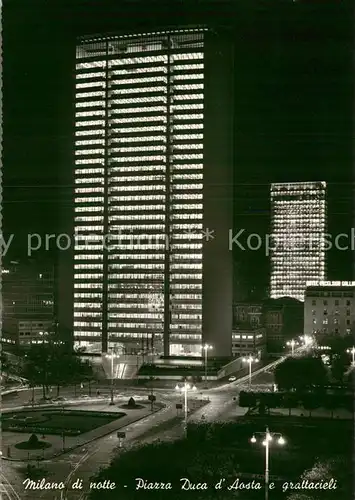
x=112, y=355
x=267, y=438
x=250, y=359
x=292, y=343
x=185, y=389
x=352, y=352
x=306, y=339
x=206, y=347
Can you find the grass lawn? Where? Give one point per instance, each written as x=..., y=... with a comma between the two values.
x=72, y=422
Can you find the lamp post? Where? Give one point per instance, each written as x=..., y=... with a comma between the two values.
x=307, y=340
x=185, y=389
x=206, y=347
x=250, y=359
x=112, y=355
x=268, y=437
x=292, y=343
x=352, y=352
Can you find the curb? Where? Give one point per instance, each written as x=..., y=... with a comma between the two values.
x=67, y=450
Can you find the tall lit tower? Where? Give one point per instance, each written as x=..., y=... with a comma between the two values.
x=153, y=158
x=298, y=226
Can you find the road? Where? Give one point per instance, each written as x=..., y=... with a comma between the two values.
x=84, y=462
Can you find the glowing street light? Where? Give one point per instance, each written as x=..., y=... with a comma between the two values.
x=352, y=352
x=185, y=389
x=112, y=355
x=267, y=438
x=250, y=360
x=324, y=347
x=306, y=339
x=205, y=348
x=292, y=343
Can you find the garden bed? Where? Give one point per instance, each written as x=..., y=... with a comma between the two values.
x=69, y=422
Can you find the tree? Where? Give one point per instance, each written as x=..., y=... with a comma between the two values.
x=310, y=402
x=290, y=401
x=323, y=471
x=247, y=399
x=38, y=365
x=301, y=373
x=87, y=373
x=4, y=364
x=330, y=404
x=53, y=364
x=339, y=366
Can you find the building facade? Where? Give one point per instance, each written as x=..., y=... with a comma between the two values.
x=298, y=228
x=329, y=308
x=153, y=156
x=283, y=320
x=28, y=300
x=248, y=312
x=248, y=340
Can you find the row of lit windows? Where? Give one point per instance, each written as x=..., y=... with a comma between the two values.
x=86, y=256
x=136, y=266
x=91, y=324
x=89, y=161
x=90, y=190
x=78, y=314
x=88, y=285
x=142, y=315
x=99, y=93
x=145, y=208
x=140, y=90
x=91, y=218
x=129, y=227
x=89, y=132
x=95, y=123
x=120, y=199
x=88, y=104
x=90, y=200
x=138, y=187
x=93, y=265
x=139, y=217
x=134, y=276
x=137, y=60
x=88, y=305
x=90, y=142
x=143, y=326
x=79, y=114
x=88, y=276
x=116, y=99
x=86, y=171
x=88, y=296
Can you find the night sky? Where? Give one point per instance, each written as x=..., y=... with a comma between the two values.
x=293, y=105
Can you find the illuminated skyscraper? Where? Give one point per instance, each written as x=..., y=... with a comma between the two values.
x=153, y=171
x=298, y=226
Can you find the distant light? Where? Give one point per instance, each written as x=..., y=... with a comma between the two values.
x=281, y=440
x=253, y=439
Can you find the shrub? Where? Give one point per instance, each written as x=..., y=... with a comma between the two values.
x=33, y=440
x=131, y=403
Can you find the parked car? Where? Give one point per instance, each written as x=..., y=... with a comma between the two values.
x=232, y=379
x=59, y=399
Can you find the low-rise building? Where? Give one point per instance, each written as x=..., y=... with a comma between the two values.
x=329, y=308
x=248, y=339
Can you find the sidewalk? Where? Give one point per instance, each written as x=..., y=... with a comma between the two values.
x=9, y=439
